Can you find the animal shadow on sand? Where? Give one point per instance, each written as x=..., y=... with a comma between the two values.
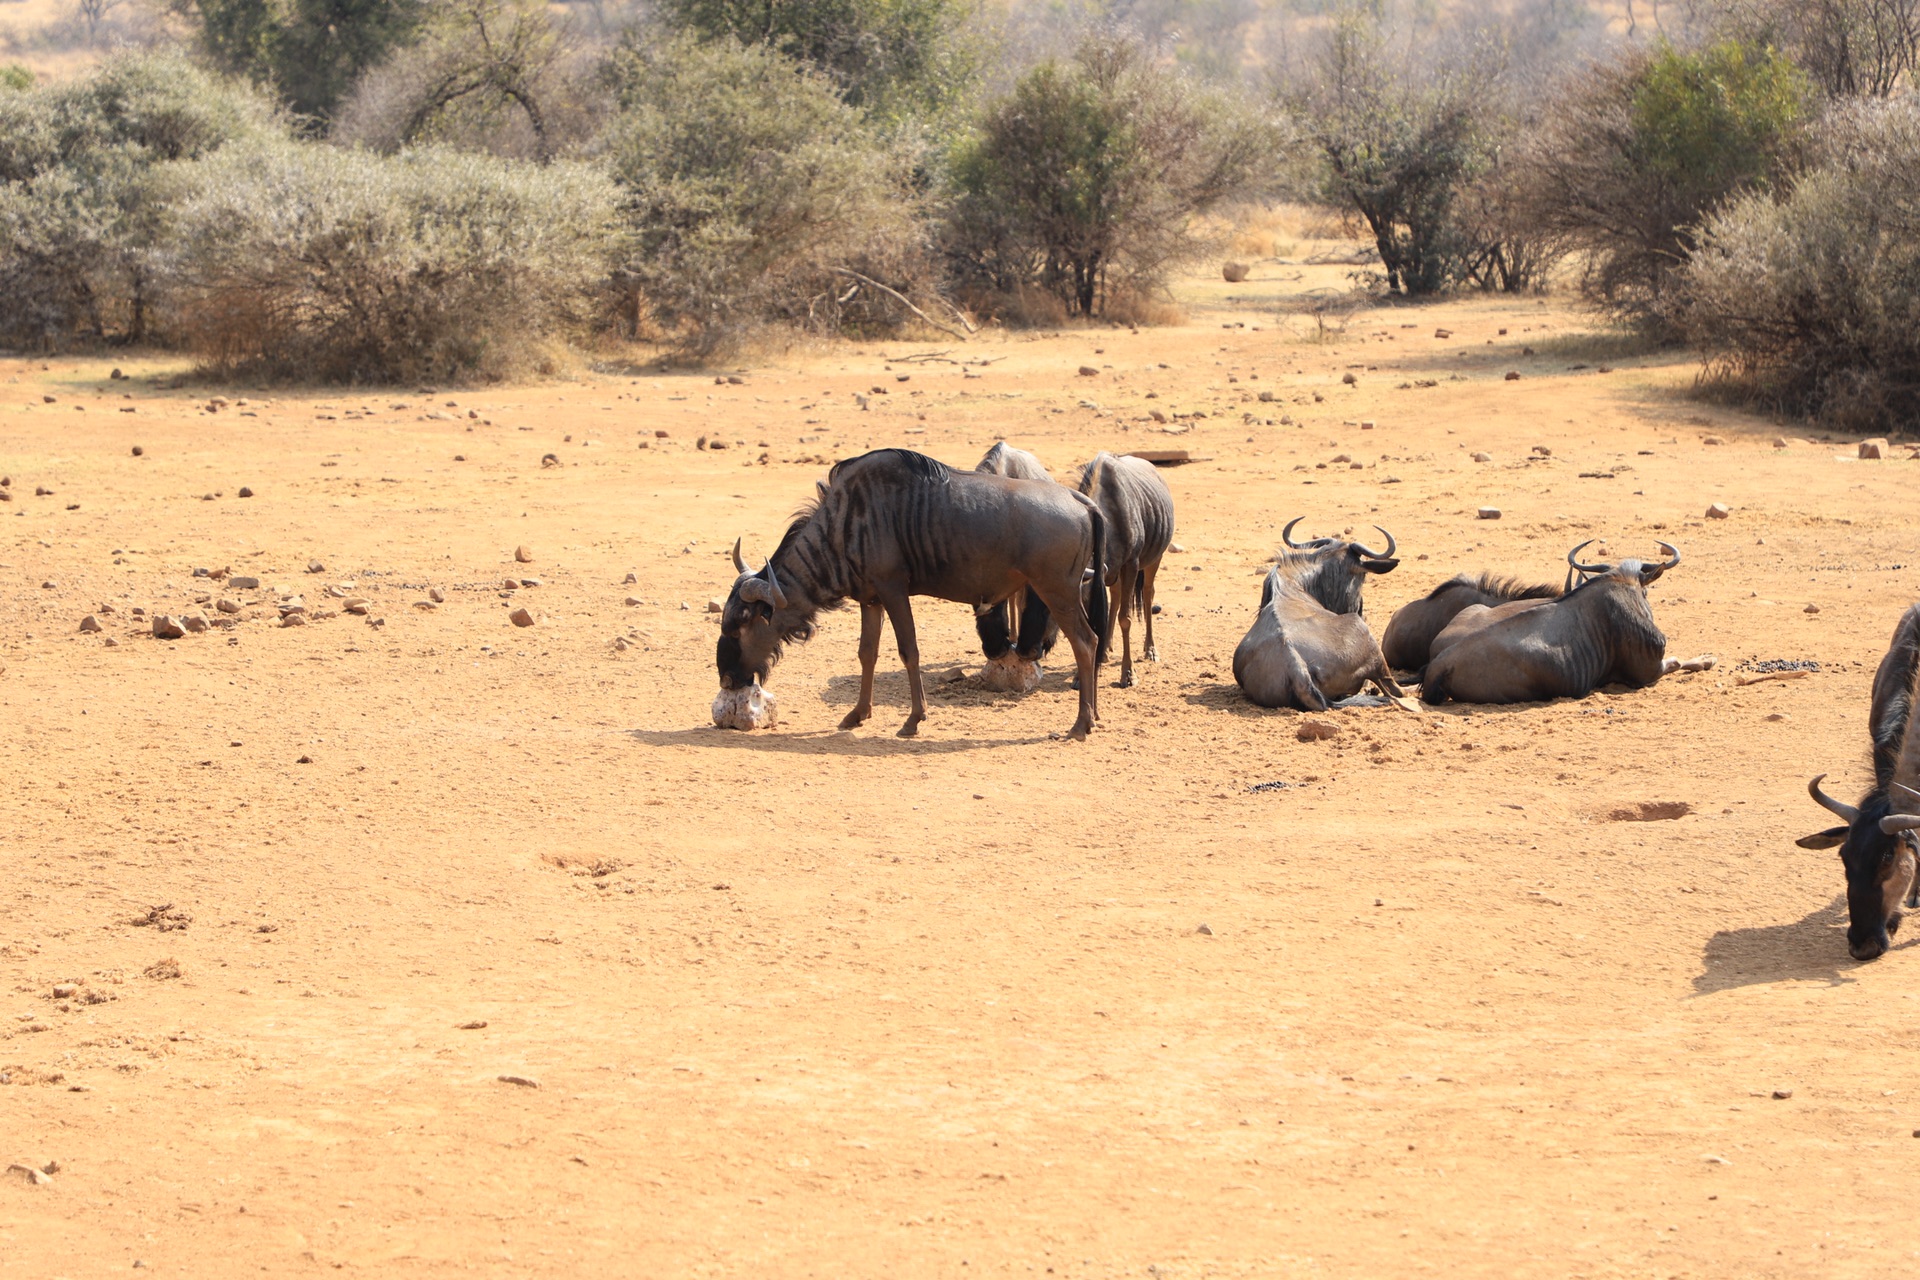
x=1812, y=948
x=872, y=740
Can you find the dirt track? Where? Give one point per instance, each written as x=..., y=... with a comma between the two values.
x=809, y=1003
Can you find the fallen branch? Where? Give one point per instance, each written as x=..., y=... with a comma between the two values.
x=1771, y=675
x=899, y=297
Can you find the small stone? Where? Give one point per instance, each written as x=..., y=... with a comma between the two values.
x=243, y=582
x=1088, y=371
x=314, y=566
x=111, y=643
x=525, y=1082
x=1874, y=448
x=356, y=605
x=630, y=579
x=716, y=606
x=41, y=491
x=245, y=492
x=203, y=573
x=304, y=760
x=436, y=595
x=46, y=399
x=1316, y=731
x=520, y=617
x=1266, y=397
x=293, y=620
x=1812, y=608
x=1348, y=378
x=167, y=628
x=1206, y=929
x=65, y=990
x=509, y=584
x=90, y=623
x=523, y=554
x=1443, y=333
x=1483, y=457
x=1718, y=511
x=1542, y=451
x=195, y=621
x=1781, y=1095
x=478, y=1024
x=1487, y=513
x=716, y=443
x=1781, y=442
x=630, y=601
x=138, y=451
x=1513, y=375
x=549, y=460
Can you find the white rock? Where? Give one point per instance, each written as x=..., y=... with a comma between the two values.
x=750, y=708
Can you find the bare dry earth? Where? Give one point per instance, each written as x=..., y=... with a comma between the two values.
x=802, y=1002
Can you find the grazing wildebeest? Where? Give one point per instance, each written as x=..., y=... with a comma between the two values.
x=1602, y=632
x=1013, y=654
x=1408, y=640
x=1139, y=511
x=1877, y=840
x=892, y=524
x=1309, y=645
x=1478, y=617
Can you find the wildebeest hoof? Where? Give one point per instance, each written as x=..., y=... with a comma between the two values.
x=910, y=729
x=1124, y=682
x=853, y=719
x=1010, y=673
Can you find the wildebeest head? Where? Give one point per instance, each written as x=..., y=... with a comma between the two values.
x=1877, y=846
x=750, y=637
x=1332, y=570
x=1633, y=572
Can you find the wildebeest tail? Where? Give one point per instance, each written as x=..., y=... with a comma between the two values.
x=1097, y=593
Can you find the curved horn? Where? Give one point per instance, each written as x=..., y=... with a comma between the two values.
x=1286, y=534
x=1585, y=568
x=739, y=564
x=1894, y=823
x=1831, y=805
x=1392, y=546
x=1671, y=550
x=755, y=587
x=773, y=584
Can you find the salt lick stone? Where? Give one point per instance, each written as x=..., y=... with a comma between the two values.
x=1009, y=673
x=749, y=708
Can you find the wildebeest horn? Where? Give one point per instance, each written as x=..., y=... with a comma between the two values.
x=773, y=583
x=1828, y=803
x=1381, y=555
x=1671, y=550
x=1286, y=534
x=1894, y=823
x=757, y=588
x=1586, y=568
x=739, y=563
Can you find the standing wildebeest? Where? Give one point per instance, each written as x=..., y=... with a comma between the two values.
x=1602, y=632
x=1139, y=511
x=1408, y=639
x=1877, y=842
x=1016, y=633
x=890, y=525
x=1309, y=645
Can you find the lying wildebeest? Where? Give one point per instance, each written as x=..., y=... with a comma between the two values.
x=1408, y=640
x=1139, y=511
x=1016, y=633
x=892, y=524
x=1309, y=645
x=1877, y=843
x=1478, y=617
x=1602, y=632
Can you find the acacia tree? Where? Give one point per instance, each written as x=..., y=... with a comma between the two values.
x=1848, y=48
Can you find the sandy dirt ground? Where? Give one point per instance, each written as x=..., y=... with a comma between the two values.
x=809, y=1003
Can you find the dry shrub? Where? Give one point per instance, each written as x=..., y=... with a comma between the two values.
x=1810, y=303
x=1127, y=305
x=308, y=262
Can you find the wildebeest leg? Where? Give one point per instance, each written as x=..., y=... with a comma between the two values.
x=1119, y=609
x=1147, y=574
x=900, y=613
x=1035, y=618
x=870, y=617
x=1071, y=614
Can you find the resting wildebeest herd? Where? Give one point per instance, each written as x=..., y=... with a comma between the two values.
x=1035, y=559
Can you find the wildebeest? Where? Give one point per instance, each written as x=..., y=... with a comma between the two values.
x=1478, y=617
x=1139, y=511
x=1408, y=640
x=1602, y=632
x=1309, y=645
x=1013, y=654
x=892, y=524
x=1877, y=841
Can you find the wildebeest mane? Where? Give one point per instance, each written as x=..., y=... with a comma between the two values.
x=1324, y=577
x=1498, y=586
x=918, y=465
x=1891, y=721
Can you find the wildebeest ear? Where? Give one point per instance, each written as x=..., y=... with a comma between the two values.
x=1378, y=566
x=1831, y=838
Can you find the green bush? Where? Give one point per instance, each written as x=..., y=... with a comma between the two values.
x=1637, y=151
x=82, y=221
x=750, y=189
x=1810, y=302
x=311, y=262
x=1084, y=181
x=310, y=51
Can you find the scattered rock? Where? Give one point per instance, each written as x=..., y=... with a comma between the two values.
x=1487, y=513
x=549, y=459
x=750, y=708
x=1874, y=448
x=520, y=617
x=1812, y=608
x=1348, y=379
x=1513, y=375
x=523, y=554
x=630, y=579
x=293, y=620
x=436, y=595
x=1204, y=929
x=1781, y=1095
x=630, y=601
x=314, y=566
x=1711, y=440
x=1443, y=333
x=510, y=584
x=245, y=492
x=195, y=621
x=1483, y=457
x=478, y=1024
x=1233, y=272
x=1718, y=511
x=138, y=451
x=355, y=605
x=167, y=628
x=90, y=623
x=1542, y=451
x=244, y=582
x=716, y=606
x=1088, y=371
x=1266, y=397
x=1316, y=731
x=525, y=1082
